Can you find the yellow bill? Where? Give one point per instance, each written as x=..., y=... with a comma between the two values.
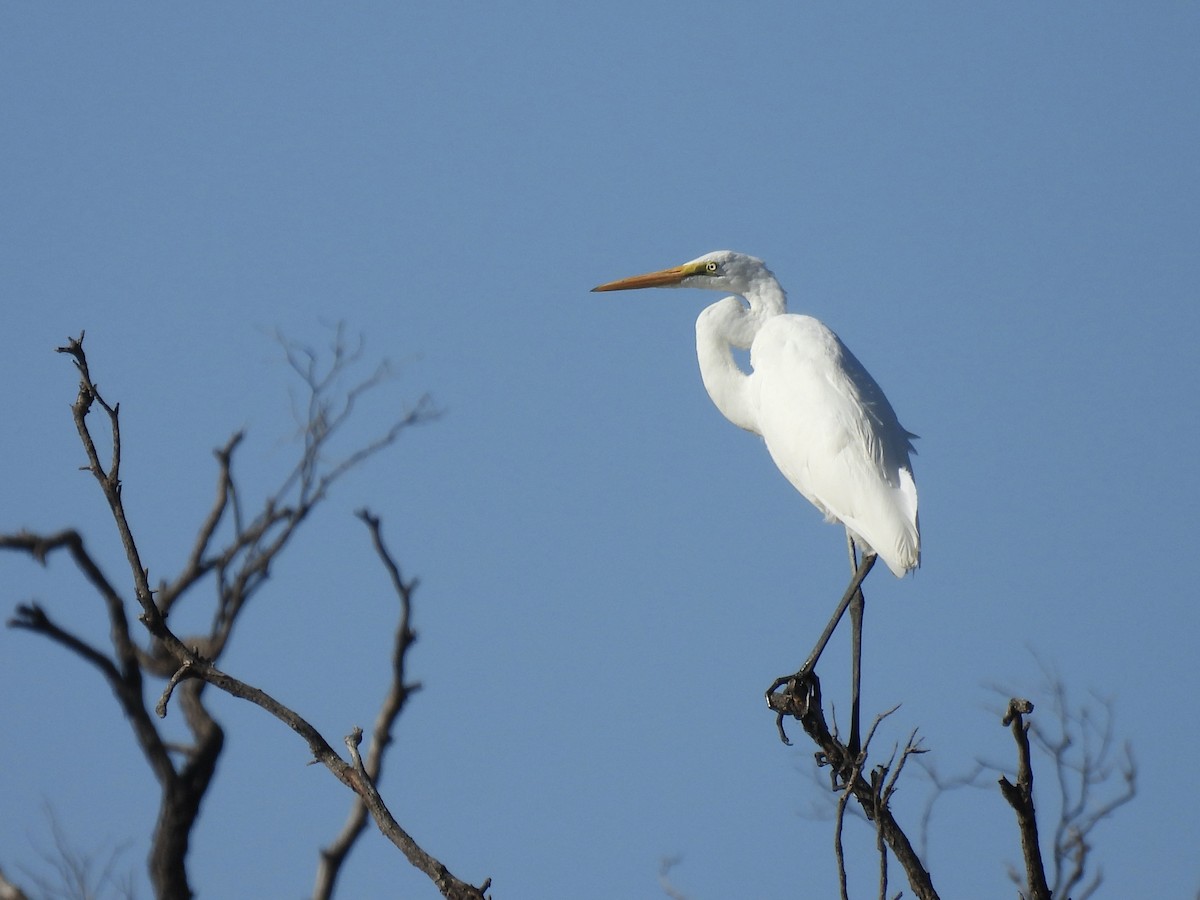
x=661, y=278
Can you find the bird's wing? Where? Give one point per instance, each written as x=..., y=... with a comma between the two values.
x=835, y=436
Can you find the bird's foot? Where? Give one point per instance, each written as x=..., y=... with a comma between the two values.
x=801, y=693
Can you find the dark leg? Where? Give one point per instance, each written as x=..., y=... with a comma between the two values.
x=856, y=617
x=860, y=572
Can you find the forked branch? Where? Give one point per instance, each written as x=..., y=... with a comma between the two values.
x=333, y=856
x=240, y=567
x=846, y=772
x=354, y=776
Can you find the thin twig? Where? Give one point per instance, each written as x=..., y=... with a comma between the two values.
x=838, y=850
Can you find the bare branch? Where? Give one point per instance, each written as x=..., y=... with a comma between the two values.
x=240, y=568
x=1086, y=756
x=333, y=856
x=109, y=479
x=839, y=851
x=40, y=546
x=804, y=704
x=354, y=777
x=199, y=562
x=245, y=563
x=123, y=675
x=1080, y=741
x=1020, y=798
x=31, y=617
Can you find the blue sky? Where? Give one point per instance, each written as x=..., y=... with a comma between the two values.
x=995, y=205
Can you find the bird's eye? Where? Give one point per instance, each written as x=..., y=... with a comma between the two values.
x=712, y=267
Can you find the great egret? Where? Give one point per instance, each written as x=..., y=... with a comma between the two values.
x=826, y=423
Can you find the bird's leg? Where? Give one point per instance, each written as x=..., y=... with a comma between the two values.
x=857, y=605
x=802, y=687
x=860, y=572
x=853, y=551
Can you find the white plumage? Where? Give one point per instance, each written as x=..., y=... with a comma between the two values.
x=825, y=421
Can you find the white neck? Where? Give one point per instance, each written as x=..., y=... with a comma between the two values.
x=727, y=324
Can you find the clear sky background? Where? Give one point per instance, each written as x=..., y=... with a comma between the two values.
x=996, y=205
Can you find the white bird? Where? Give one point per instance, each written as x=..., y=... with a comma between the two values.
x=825, y=421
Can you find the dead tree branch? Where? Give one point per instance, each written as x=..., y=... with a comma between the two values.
x=846, y=773
x=240, y=567
x=333, y=856
x=1080, y=741
x=1086, y=756
x=354, y=776
x=1020, y=798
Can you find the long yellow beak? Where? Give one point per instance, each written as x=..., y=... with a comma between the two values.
x=661, y=278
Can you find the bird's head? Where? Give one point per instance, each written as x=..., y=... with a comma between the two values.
x=721, y=270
